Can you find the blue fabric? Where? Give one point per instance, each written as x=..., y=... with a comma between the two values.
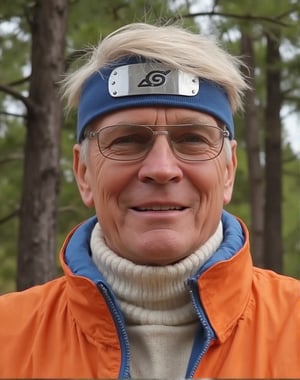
x=233, y=240
x=78, y=254
x=96, y=101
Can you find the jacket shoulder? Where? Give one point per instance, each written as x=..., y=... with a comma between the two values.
x=278, y=296
x=18, y=309
x=277, y=283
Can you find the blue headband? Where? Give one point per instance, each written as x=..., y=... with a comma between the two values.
x=134, y=82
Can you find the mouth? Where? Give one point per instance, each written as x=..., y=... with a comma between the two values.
x=159, y=208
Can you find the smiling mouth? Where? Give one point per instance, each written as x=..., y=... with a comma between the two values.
x=159, y=208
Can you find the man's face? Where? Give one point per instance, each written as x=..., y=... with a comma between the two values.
x=159, y=210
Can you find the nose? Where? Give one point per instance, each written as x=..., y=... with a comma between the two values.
x=160, y=165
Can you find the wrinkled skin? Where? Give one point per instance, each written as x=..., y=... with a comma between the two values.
x=121, y=191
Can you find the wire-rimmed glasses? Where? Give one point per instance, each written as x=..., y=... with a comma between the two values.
x=131, y=142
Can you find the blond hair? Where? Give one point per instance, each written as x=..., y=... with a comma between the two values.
x=172, y=45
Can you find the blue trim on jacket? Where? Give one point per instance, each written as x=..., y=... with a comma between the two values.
x=78, y=252
x=233, y=240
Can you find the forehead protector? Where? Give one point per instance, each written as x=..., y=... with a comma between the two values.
x=132, y=82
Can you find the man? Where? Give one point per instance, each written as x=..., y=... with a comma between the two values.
x=160, y=283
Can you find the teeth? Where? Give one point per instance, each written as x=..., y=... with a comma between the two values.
x=159, y=208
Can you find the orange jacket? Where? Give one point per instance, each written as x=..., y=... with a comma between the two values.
x=72, y=327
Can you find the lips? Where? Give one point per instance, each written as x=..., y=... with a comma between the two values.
x=159, y=208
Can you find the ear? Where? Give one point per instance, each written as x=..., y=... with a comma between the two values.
x=230, y=171
x=82, y=176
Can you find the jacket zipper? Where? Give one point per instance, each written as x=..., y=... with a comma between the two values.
x=123, y=337
x=208, y=333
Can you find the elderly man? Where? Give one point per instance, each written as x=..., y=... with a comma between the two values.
x=160, y=283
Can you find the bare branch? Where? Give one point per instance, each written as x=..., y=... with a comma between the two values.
x=12, y=114
x=10, y=216
x=19, y=81
x=237, y=16
x=296, y=8
x=11, y=157
x=77, y=54
x=69, y=208
x=17, y=95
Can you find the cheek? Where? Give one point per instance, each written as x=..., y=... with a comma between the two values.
x=209, y=183
x=209, y=178
x=111, y=180
x=97, y=171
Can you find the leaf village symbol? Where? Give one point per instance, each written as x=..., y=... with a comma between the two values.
x=154, y=78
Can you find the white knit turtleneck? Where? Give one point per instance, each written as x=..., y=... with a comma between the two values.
x=156, y=304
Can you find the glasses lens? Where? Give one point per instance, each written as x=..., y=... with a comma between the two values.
x=124, y=142
x=197, y=142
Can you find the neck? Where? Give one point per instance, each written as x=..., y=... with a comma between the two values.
x=151, y=294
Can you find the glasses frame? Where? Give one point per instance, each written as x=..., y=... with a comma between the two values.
x=224, y=133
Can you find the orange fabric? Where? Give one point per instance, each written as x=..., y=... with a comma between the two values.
x=65, y=329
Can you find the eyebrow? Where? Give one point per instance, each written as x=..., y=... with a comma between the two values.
x=193, y=120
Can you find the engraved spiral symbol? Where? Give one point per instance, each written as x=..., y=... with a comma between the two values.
x=154, y=78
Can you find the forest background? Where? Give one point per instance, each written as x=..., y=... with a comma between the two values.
x=40, y=40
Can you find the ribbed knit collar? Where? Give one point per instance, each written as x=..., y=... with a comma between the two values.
x=152, y=295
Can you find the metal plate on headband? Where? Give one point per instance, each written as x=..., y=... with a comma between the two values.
x=151, y=78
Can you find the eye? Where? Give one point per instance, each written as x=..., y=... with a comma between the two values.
x=128, y=139
x=122, y=136
x=191, y=138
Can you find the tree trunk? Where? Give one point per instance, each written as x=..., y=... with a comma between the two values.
x=273, y=175
x=256, y=179
x=37, y=233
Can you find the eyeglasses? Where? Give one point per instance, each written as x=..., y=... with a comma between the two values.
x=189, y=142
